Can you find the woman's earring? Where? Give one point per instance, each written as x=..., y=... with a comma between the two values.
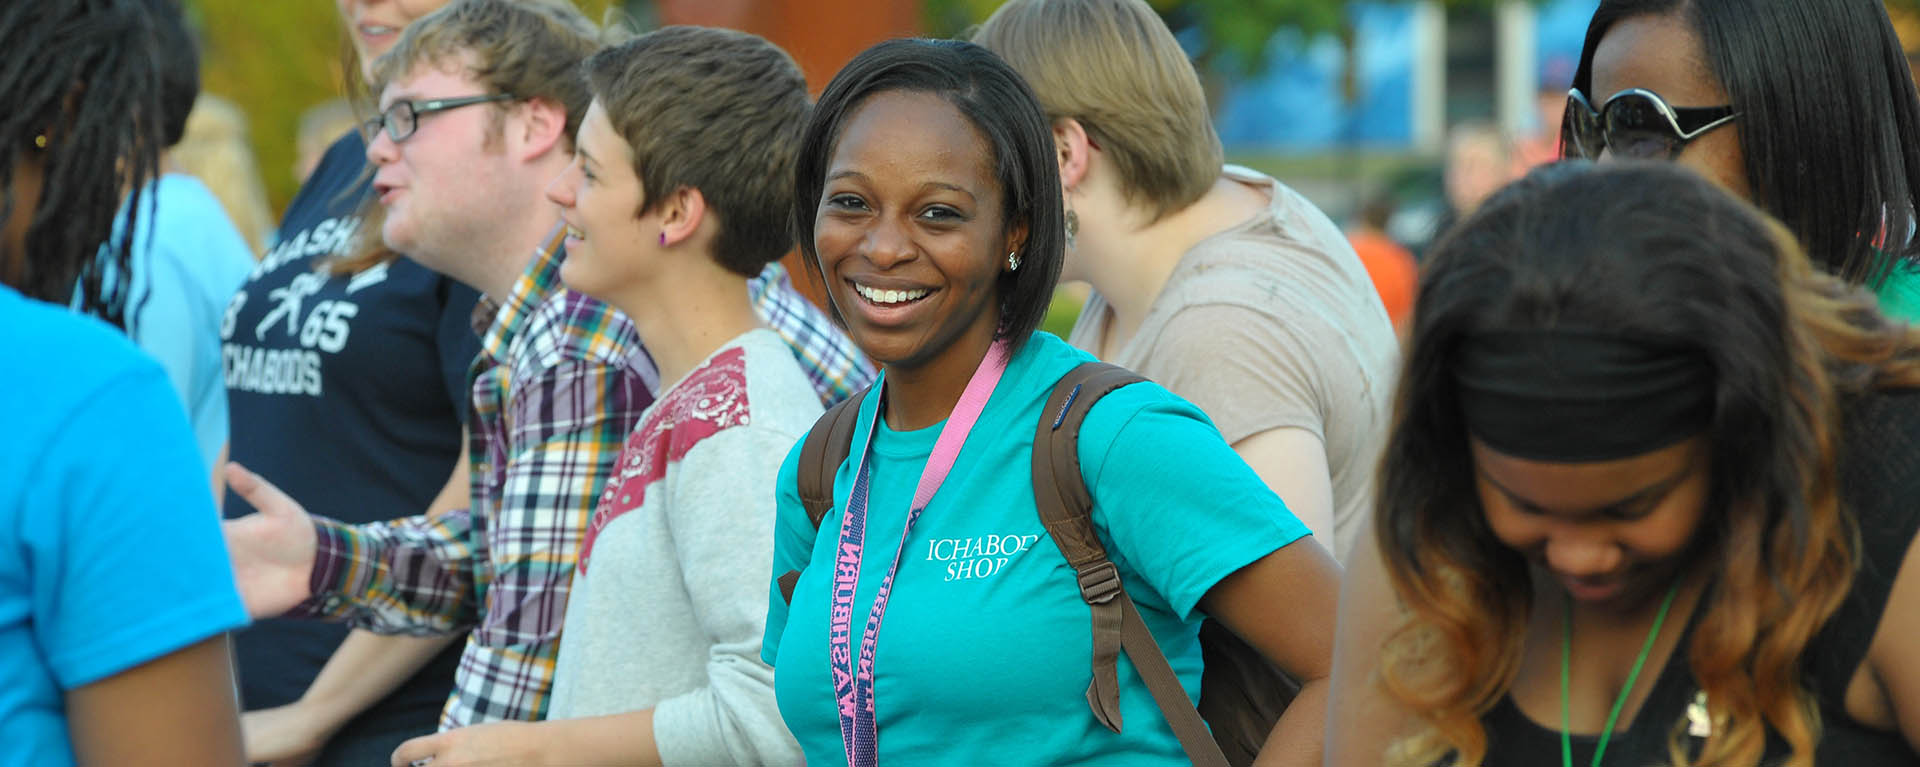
x=40, y=141
x=1073, y=227
x=1013, y=261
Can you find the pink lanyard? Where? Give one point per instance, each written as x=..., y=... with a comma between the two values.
x=853, y=684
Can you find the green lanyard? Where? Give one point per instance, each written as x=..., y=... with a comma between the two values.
x=1566, y=650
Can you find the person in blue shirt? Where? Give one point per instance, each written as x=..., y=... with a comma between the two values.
x=188, y=258
x=115, y=593
x=928, y=199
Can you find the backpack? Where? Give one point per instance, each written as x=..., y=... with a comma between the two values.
x=1241, y=693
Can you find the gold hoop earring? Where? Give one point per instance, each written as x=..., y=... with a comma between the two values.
x=1013, y=261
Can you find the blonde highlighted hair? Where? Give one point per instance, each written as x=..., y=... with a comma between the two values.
x=1114, y=67
x=1642, y=250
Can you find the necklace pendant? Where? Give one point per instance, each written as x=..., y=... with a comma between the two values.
x=1699, y=720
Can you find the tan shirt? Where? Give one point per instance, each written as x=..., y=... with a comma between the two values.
x=1274, y=324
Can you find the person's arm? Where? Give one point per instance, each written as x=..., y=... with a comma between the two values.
x=570, y=424
x=362, y=671
x=177, y=709
x=1362, y=720
x=405, y=576
x=1198, y=526
x=1304, y=577
x=1293, y=464
x=1894, y=657
x=615, y=740
x=721, y=506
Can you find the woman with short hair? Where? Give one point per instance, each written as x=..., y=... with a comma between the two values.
x=927, y=198
x=1220, y=283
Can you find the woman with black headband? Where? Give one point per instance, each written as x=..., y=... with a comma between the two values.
x=1807, y=109
x=1648, y=498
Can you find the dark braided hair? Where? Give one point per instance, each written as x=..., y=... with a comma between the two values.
x=82, y=74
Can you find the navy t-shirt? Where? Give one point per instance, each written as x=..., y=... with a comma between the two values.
x=348, y=392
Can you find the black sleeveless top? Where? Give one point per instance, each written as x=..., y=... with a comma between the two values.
x=1880, y=484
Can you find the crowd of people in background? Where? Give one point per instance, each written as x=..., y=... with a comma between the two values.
x=515, y=443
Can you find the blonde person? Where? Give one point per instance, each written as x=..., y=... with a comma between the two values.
x=214, y=149
x=319, y=125
x=1220, y=283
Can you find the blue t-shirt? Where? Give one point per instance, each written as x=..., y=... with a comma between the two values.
x=112, y=548
x=984, y=656
x=348, y=392
x=187, y=261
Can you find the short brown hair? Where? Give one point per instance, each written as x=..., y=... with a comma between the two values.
x=1114, y=67
x=715, y=110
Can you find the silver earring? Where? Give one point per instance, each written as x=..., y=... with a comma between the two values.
x=1073, y=226
x=1013, y=261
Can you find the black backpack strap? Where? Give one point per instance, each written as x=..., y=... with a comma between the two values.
x=825, y=448
x=1066, y=509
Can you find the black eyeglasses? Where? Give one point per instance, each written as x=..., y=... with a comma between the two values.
x=403, y=117
x=1635, y=123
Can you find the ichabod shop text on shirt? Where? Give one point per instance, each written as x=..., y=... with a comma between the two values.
x=978, y=557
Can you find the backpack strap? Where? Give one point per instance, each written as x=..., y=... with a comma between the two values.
x=825, y=448
x=1066, y=509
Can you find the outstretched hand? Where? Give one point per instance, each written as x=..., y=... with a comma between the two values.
x=494, y=744
x=287, y=736
x=272, y=549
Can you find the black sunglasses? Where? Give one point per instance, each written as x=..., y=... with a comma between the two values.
x=402, y=118
x=1635, y=123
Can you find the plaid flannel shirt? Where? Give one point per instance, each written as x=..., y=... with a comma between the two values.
x=560, y=381
x=835, y=366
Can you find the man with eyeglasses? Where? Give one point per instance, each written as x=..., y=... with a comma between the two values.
x=479, y=103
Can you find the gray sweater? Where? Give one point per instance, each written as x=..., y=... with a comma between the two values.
x=670, y=599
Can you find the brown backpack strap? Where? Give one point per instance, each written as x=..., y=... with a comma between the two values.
x=1066, y=509
x=825, y=448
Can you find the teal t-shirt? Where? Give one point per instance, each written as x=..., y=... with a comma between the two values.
x=1900, y=294
x=984, y=655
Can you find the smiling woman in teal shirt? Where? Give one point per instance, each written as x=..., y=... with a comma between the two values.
x=928, y=200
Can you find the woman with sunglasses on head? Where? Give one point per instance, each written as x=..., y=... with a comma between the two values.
x=346, y=384
x=928, y=198
x=1648, y=498
x=1807, y=109
x=115, y=592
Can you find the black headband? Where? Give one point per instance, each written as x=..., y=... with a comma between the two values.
x=1571, y=396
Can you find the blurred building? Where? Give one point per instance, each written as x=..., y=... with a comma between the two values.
x=1421, y=69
